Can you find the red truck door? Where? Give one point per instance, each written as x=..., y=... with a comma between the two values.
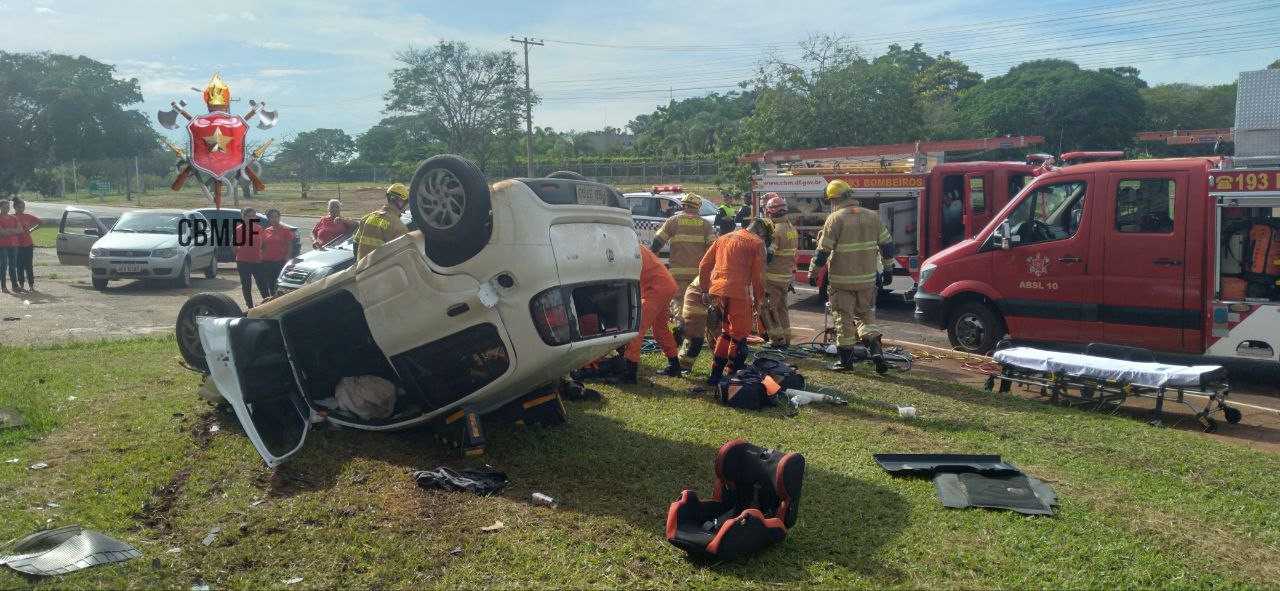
x=1145, y=261
x=977, y=212
x=1043, y=277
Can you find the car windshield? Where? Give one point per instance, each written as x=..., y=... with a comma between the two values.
x=707, y=208
x=148, y=223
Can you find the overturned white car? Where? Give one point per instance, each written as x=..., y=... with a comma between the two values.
x=499, y=293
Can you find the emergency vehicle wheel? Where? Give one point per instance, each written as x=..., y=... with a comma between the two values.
x=201, y=304
x=566, y=174
x=974, y=328
x=449, y=202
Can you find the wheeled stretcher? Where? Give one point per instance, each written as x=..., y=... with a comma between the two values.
x=1106, y=375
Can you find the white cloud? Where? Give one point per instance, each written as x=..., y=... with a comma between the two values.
x=43, y=10
x=248, y=16
x=4, y=7
x=281, y=72
x=270, y=44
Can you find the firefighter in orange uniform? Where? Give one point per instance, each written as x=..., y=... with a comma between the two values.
x=657, y=287
x=780, y=266
x=733, y=270
x=689, y=236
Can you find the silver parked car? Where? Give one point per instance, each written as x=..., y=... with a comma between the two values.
x=143, y=244
x=322, y=262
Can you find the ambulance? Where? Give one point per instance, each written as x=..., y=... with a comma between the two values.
x=1176, y=255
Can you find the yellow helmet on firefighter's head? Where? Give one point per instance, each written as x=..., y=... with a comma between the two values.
x=691, y=201
x=836, y=189
x=399, y=192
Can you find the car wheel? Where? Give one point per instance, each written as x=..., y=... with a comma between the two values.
x=974, y=328
x=184, y=274
x=449, y=202
x=212, y=271
x=188, y=333
x=99, y=284
x=566, y=174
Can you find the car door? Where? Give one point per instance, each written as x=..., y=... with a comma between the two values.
x=250, y=365
x=1043, y=277
x=1144, y=267
x=77, y=232
x=202, y=251
x=645, y=218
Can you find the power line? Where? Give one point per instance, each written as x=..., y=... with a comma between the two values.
x=528, y=108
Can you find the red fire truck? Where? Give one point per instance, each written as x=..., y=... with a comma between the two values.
x=1176, y=255
x=927, y=204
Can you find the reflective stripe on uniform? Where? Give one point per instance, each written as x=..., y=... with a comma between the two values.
x=855, y=246
x=777, y=277
x=852, y=279
x=369, y=241
x=689, y=238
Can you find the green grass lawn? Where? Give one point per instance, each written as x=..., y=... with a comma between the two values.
x=132, y=456
x=46, y=236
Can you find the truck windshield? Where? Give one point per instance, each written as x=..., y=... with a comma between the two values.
x=1051, y=212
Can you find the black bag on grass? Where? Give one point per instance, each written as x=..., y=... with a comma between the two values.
x=745, y=389
x=785, y=375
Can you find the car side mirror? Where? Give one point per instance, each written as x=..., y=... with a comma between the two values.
x=1002, y=234
x=92, y=232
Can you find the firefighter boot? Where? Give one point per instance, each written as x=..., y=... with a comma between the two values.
x=717, y=371
x=845, y=362
x=627, y=375
x=673, y=368
x=877, y=354
x=678, y=333
x=739, y=360
x=689, y=353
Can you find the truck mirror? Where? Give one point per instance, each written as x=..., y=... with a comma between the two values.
x=1002, y=235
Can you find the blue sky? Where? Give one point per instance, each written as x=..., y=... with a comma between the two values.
x=324, y=63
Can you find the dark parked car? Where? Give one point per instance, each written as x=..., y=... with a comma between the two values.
x=225, y=253
x=324, y=261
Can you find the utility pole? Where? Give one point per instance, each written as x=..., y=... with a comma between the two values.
x=528, y=108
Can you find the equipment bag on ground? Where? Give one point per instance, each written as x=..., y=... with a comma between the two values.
x=745, y=388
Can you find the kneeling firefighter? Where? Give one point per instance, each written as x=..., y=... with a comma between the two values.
x=699, y=326
x=657, y=287
x=853, y=238
x=733, y=270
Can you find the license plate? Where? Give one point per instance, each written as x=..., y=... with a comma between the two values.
x=589, y=195
x=128, y=268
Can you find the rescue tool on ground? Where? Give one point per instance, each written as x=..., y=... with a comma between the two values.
x=216, y=150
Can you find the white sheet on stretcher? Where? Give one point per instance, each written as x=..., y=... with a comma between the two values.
x=1138, y=373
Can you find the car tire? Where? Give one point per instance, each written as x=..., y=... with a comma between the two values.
x=450, y=205
x=566, y=174
x=212, y=271
x=188, y=333
x=183, y=279
x=100, y=284
x=974, y=328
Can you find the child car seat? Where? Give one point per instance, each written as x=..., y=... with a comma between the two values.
x=755, y=502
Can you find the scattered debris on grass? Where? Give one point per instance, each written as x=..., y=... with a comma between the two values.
x=497, y=525
x=481, y=482
x=544, y=500
x=212, y=535
x=10, y=418
x=39, y=466
x=66, y=550
x=291, y=580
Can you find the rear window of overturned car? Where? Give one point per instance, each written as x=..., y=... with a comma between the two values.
x=574, y=192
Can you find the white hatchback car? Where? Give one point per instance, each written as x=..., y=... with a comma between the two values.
x=500, y=292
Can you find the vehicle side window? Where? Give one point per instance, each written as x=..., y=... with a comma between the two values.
x=452, y=367
x=1017, y=182
x=1145, y=206
x=669, y=207
x=1051, y=212
x=977, y=196
x=75, y=222
x=639, y=205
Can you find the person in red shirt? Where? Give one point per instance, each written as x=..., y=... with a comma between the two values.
x=9, y=230
x=277, y=241
x=249, y=255
x=331, y=226
x=657, y=287
x=26, y=247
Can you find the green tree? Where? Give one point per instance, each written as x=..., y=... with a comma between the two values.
x=1071, y=107
x=1190, y=106
x=312, y=152
x=473, y=100
x=57, y=107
